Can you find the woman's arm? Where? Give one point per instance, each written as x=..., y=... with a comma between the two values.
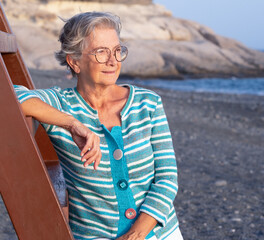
x=86, y=140
x=141, y=228
x=159, y=199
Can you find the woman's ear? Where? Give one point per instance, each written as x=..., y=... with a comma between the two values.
x=73, y=63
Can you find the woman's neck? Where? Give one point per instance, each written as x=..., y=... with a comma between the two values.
x=107, y=100
x=97, y=95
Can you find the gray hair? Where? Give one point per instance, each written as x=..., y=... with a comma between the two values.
x=77, y=28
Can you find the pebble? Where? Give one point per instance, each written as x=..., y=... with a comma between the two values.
x=236, y=219
x=221, y=183
x=252, y=225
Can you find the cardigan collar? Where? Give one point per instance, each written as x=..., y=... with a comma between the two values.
x=94, y=112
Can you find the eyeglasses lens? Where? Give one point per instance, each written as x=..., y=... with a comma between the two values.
x=121, y=53
x=103, y=55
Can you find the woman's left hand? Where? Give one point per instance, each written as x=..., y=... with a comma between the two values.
x=132, y=235
x=141, y=228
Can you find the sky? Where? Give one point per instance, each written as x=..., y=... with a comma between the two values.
x=242, y=20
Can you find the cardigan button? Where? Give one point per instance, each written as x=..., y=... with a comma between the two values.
x=130, y=213
x=118, y=154
x=122, y=184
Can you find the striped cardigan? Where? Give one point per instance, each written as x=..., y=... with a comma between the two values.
x=145, y=178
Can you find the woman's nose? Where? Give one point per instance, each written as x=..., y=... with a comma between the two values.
x=112, y=59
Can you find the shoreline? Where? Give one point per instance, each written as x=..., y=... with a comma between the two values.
x=219, y=145
x=63, y=78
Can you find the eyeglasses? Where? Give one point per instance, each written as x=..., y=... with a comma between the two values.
x=103, y=54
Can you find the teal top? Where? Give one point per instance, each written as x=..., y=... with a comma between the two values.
x=137, y=172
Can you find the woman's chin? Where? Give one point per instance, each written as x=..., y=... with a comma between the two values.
x=109, y=78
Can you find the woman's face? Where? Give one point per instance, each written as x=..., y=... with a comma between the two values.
x=93, y=72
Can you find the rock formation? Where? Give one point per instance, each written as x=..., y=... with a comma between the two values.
x=128, y=2
x=160, y=45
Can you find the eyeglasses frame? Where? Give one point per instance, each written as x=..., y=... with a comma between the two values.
x=110, y=51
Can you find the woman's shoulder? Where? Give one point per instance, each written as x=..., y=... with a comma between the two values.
x=56, y=92
x=144, y=93
x=62, y=92
x=56, y=89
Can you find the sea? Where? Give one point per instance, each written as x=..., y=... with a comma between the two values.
x=253, y=86
x=233, y=85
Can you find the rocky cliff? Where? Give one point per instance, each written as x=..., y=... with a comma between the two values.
x=128, y=2
x=160, y=45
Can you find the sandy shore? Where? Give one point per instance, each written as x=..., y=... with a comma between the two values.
x=219, y=144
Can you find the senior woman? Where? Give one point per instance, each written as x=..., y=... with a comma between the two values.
x=113, y=142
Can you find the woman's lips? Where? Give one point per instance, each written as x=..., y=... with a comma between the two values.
x=108, y=72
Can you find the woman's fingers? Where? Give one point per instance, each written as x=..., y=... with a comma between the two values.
x=93, y=157
x=97, y=161
x=92, y=152
x=88, y=142
x=86, y=149
x=89, y=139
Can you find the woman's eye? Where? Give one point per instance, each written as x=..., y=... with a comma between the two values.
x=101, y=51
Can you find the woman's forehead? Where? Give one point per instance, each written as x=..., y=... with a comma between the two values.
x=102, y=37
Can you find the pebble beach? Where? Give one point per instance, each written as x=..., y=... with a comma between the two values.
x=219, y=145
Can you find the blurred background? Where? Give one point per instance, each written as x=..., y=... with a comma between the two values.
x=206, y=60
x=240, y=20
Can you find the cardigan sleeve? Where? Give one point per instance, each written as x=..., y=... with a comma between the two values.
x=49, y=96
x=159, y=200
